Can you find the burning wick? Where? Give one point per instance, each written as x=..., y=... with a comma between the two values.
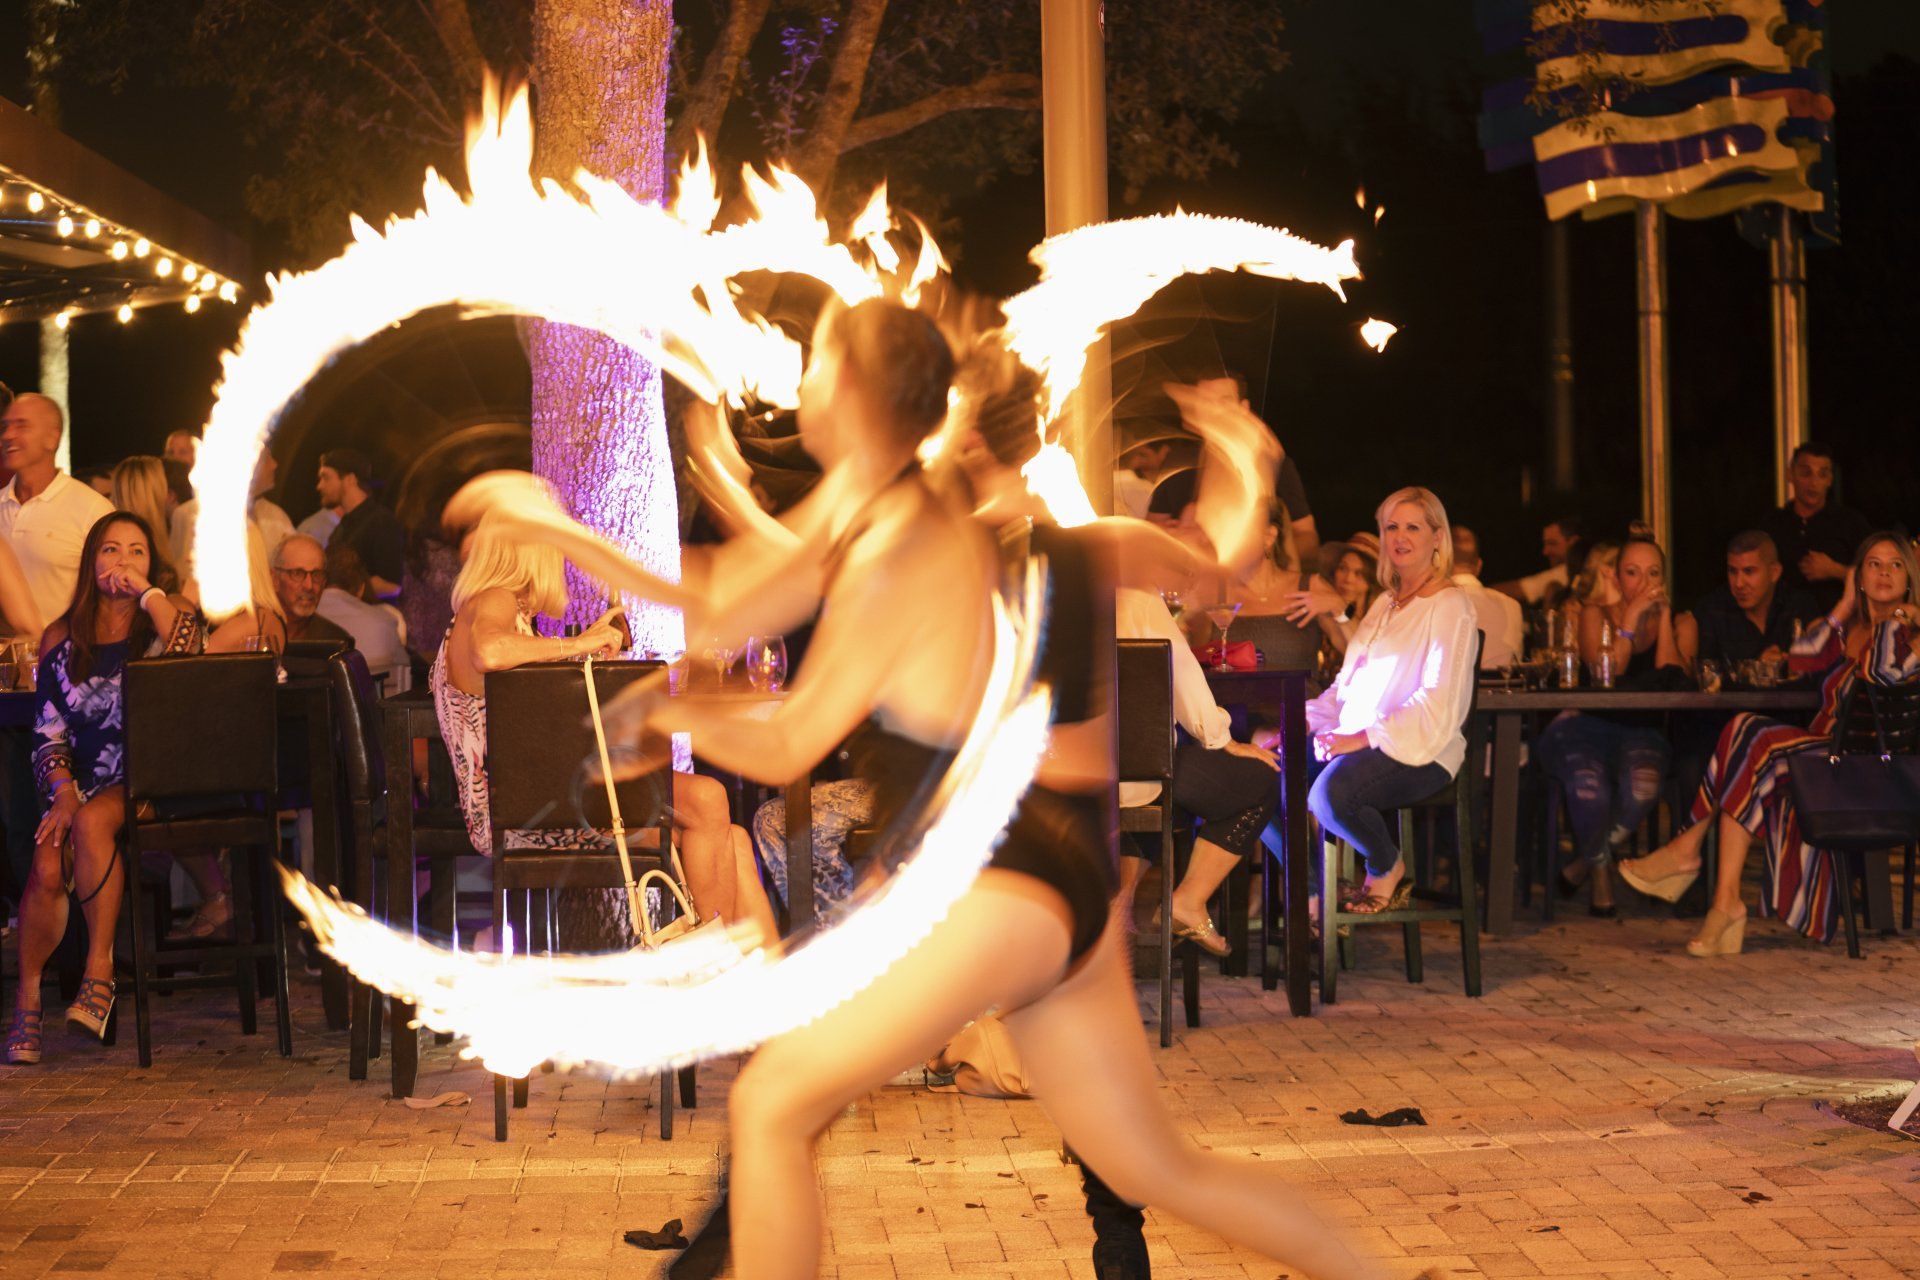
x=1376, y=333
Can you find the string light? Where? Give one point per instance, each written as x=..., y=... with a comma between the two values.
x=208, y=282
x=35, y=202
x=119, y=250
x=163, y=268
x=64, y=226
x=142, y=247
x=193, y=303
x=229, y=292
x=125, y=312
x=62, y=320
x=189, y=273
x=93, y=228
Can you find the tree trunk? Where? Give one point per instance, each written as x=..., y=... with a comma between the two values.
x=599, y=424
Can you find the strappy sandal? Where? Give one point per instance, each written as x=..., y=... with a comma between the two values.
x=1204, y=936
x=23, y=1038
x=206, y=924
x=1372, y=904
x=89, y=1013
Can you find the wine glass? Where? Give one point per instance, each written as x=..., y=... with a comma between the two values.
x=1222, y=616
x=767, y=663
x=1175, y=600
x=722, y=656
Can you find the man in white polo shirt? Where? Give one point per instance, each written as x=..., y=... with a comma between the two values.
x=44, y=513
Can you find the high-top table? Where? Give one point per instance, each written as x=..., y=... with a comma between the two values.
x=1506, y=708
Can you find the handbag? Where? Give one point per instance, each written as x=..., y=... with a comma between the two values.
x=687, y=922
x=1856, y=800
x=982, y=1061
x=1241, y=655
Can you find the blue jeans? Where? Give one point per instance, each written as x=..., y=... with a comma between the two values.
x=1611, y=776
x=1353, y=792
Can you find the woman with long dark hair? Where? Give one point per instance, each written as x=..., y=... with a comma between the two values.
x=80, y=737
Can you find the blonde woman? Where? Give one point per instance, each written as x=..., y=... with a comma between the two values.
x=262, y=621
x=505, y=582
x=140, y=485
x=1389, y=727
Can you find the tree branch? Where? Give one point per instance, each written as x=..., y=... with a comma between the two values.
x=845, y=85
x=712, y=93
x=1008, y=90
x=454, y=23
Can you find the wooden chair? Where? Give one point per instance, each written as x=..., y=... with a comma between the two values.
x=363, y=804
x=1457, y=795
x=538, y=741
x=201, y=762
x=1874, y=720
x=1144, y=711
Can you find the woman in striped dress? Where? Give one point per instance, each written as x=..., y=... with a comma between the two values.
x=1872, y=634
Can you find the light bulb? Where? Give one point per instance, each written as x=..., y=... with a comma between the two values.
x=92, y=227
x=193, y=303
x=125, y=312
x=119, y=250
x=35, y=202
x=229, y=291
x=142, y=247
x=62, y=320
x=208, y=282
x=64, y=226
x=163, y=268
x=189, y=273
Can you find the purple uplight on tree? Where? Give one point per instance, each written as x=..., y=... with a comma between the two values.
x=599, y=421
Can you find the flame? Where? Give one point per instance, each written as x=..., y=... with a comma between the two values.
x=1378, y=214
x=699, y=997
x=1360, y=197
x=1376, y=333
x=1096, y=275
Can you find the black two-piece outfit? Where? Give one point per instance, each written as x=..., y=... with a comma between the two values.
x=1059, y=838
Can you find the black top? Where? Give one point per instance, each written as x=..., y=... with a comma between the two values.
x=1173, y=495
x=377, y=534
x=1836, y=530
x=1727, y=635
x=1079, y=591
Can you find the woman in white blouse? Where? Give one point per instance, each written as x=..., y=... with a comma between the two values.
x=1389, y=727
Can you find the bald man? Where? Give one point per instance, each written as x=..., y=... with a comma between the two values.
x=44, y=513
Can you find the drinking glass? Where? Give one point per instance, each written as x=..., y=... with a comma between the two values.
x=722, y=656
x=767, y=663
x=1222, y=616
x=253, y=644
x=1569, y=668
x=1712, y=675
x=1175, y=602
x=676, y=664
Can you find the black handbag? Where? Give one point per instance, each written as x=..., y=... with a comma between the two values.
x=1862, y=799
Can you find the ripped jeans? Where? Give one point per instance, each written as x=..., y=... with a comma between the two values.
x=1611, y=775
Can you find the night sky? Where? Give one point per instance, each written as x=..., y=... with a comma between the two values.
x=1380, y=93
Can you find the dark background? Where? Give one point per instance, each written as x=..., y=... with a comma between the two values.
x=1379, y=93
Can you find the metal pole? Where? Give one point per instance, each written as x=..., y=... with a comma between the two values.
x=1787, y=278
x=1560, y=356
x=1074, y=122
x=1650, y=274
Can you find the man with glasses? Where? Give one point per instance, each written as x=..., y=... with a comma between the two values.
x=300, y=576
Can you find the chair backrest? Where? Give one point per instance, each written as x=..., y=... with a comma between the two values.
x=310, y=657
x=540, y=747
x=356, y=727
x=1145, y=714
x=1878, y=718
x=201, y=725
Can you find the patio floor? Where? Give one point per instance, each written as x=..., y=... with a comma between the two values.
x=1610, y=1108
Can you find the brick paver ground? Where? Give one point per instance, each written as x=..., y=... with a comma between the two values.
x=1610, y=1108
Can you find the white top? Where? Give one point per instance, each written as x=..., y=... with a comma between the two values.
x=1407, y=680
x=320, y=525
x=1142, y=615
x=1500, y=621
x=1131, y=494
x=1536, y=585
x=376, y=634
x=48, y=532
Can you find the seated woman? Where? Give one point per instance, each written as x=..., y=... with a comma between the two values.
x=1284, y=644
x=1337, y=606
x=1872, y=634
x=1611, y=765
x=1389, y=727
x=116, y=614
x=140, y=486
x=505, y=582
x=838, y=808
x=1230, y=786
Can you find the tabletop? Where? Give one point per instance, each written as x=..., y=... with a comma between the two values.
x=1494, y=700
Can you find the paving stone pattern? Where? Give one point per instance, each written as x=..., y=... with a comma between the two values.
x=1610, y=1108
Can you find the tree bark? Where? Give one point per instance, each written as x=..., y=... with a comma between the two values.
x=599, y=424
x=706, y=102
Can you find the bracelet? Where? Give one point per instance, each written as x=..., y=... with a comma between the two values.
x=1832, y=624
x=141, y=603
x=1624, y=634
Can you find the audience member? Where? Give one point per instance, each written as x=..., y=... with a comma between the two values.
x=1752, y=614
x=1813, y=534
x=182, y=446
x=1557, y=538
x=98, y=479
x=426, y=592
x=1283, y=644
x=299, y=579
x=838, y=809
x=365, y=525
x=1395, y=735
x=1872, y=634
x=1337, y=602
x=1135, y=473
x=261, y=623
x=115, y=614
x=505, y=582
x=140, y=486
x=1173, y=499
x=275, y=525
x=1498, y=613
x=321, y=524
x=376, y=628
x=44, y=513
x=1610, y=766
